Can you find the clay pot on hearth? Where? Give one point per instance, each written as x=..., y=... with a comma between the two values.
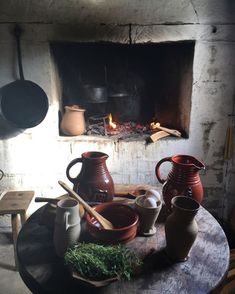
x=73, y=121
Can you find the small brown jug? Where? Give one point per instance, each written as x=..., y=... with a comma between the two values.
x=181, y=227
x=183, y=179
x=94, y=182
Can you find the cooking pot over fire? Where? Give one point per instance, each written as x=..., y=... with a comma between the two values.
x=95, y=93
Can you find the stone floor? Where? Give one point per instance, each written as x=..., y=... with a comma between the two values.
x=10, y=280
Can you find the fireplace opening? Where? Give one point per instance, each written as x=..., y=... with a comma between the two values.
x=129, y=85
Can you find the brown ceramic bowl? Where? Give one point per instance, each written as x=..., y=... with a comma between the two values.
x=123, y=217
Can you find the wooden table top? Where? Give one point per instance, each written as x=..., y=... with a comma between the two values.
x=43, y=272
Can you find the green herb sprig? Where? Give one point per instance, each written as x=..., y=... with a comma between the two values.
x=99, y=262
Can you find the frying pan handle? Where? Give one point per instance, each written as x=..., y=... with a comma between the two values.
x=17, y=36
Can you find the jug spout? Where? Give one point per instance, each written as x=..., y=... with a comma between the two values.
x=198, y=164
x=187, y=161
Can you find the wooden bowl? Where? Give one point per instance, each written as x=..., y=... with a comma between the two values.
x=123, y=217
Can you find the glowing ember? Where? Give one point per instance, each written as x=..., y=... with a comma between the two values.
x=154, y=125
x=111, y=123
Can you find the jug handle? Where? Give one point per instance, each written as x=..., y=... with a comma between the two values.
x=71, y=164
x=157, y=169
x=66, y=220
x=2, y=174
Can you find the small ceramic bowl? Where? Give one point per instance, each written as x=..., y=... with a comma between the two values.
x=123, y=217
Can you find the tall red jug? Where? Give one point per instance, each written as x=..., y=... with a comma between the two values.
x=183, y=178
x=94, y=182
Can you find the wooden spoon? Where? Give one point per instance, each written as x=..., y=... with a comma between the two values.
x=106, y=224
x=54, y=201
x=46, y=199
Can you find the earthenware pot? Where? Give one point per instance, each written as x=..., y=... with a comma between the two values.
x=181, y=227
x=183, y=179
x=94, y=182
x=124, y=218
x=73, y=121
x=67, y=225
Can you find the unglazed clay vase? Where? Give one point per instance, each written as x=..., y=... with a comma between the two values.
x=94, y=182
x=67, y=225
x=147, y=216
x=73, y=121
x=181, y=227
x=183, y=179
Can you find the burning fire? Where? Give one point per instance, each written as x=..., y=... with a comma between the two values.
x=111, y=123
x=154, y=125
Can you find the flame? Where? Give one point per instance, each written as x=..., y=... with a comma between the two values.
x=154, y=125
x=111, y=123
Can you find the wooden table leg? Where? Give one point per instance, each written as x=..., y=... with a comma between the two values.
x=15, y=222
x=23, y=218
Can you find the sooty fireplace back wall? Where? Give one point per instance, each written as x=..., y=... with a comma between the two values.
x=144, y=82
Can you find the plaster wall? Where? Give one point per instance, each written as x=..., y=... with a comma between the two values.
x=37, y=158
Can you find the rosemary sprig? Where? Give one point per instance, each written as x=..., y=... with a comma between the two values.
x=99, y=262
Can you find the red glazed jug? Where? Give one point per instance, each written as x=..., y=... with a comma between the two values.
x=183, y=179
x=94, y=182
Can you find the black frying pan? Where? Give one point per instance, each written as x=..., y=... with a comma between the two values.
x=23, y=104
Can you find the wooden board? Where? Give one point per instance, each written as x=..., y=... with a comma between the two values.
x=14, y=202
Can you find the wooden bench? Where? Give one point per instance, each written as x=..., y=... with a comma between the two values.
x=16, y=204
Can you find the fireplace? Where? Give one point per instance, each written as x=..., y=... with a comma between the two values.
x=62, y=44
x=130, y=85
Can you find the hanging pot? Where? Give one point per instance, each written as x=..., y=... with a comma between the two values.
x=23, y=104
x=94, y=94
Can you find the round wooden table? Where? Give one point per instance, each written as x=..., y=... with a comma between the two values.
x=43, y=272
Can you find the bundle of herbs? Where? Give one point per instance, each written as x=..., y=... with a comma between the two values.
x=99, y=262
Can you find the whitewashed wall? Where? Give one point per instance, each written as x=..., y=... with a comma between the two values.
x=37, y=159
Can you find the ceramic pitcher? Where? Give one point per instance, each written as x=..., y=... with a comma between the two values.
x=73, y=121
x=67, y=225
x=183, y=178
x=94, y=182
x=181, y=227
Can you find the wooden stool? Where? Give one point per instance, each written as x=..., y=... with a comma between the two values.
x=16, y=204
